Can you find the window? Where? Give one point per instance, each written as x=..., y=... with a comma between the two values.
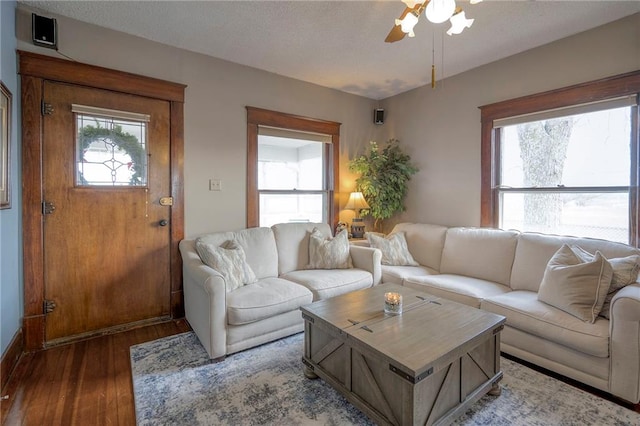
x=564, y=162
x=290, y=168
x=110, y=147
x=291, y=179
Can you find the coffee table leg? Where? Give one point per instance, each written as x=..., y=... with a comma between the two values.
x=495, y=390
x=308, y=373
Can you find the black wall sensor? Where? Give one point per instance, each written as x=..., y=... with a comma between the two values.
x=44, y=31
x=378, y=116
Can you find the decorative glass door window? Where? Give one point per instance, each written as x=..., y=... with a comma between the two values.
x=111, y=147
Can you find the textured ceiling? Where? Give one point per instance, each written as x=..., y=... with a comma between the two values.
x=340, y=44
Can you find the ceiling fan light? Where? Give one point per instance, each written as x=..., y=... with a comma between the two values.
x=438, y=11
x=412, y=3
x=458, y=23
x=407, y=24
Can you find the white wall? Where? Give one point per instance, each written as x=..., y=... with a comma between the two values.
x=440, y=128
x=215, y=116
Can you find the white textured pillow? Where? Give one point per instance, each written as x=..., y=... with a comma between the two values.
x=329, y=253
x=228, y=259
x=393, y=247
x=576, y=285
x=625, y=272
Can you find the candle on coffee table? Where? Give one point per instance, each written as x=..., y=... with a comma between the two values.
x=393, y=303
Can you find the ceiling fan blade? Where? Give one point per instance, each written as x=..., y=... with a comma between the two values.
x=396, y=33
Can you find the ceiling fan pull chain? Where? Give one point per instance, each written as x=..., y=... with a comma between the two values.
x=433, y=59
x=442, y=55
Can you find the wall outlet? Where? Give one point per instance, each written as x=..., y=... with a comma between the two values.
x=215, y=185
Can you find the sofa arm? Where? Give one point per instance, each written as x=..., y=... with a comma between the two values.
x=369, y=259
x=624, y=329
x=205, y=301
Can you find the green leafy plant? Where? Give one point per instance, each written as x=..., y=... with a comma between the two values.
x=384, y=177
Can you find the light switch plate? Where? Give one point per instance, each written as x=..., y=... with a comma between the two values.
x=215, y=185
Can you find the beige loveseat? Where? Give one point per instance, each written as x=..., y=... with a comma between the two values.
x=268, y=309
x=501, y=271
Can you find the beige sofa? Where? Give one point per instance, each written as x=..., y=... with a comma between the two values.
x=228, y=322
x=501, y=271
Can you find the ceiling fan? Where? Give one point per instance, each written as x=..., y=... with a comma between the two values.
x=436, y=11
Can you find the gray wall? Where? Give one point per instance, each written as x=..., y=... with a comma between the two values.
x=444, y=141
x=215, y=116
x=10, y=220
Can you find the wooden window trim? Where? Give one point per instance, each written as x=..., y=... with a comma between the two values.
x=262, y=117
x=34, y=70
x=597, y=90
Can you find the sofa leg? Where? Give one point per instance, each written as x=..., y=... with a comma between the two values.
x=308, y=373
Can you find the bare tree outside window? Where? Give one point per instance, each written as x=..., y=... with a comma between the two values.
x=543, y=150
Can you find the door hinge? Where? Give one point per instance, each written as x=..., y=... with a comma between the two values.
x=47, y=109
x=49, y=306
x=48, y=207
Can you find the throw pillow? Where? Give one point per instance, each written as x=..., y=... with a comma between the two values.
x=393, y=247
x=625, y=272
x=329, y=253
x=575, y=285
x=229, y=259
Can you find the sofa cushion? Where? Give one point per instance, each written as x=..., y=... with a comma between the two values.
x=576, y=282
x=393, y=248
x=259, y=246
x=425, y=242
x=479, y=253
x=458, y=288
x=327, y=252
x=228, y=259
x=331, y=282
x=396, y=274
x=534, y=251
x=525, y=312
x=264, y=299
x=292, y=241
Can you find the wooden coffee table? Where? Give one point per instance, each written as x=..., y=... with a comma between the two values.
x=425, y=366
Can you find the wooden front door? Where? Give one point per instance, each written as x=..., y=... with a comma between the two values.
x=105, y=173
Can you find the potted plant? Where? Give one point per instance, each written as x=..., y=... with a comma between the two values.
x=384, y=177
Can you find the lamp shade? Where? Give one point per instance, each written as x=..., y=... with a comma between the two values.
x=438, y=11
x=407, y=24
x=356, y=202
x=458, y=23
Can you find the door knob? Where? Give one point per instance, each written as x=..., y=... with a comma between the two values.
x=164, y=222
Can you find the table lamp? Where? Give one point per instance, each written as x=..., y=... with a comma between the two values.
x=356, y=203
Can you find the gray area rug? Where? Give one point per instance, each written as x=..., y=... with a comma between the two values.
x=175, y=383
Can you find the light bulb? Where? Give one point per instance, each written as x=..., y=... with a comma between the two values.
x=438, y=11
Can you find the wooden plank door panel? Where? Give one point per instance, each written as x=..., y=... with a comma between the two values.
x=106, y=256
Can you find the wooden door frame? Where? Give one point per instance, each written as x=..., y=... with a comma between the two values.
x=35, y=69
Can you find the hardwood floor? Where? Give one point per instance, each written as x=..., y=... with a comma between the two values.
x=89, y=382
x=82, y=383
